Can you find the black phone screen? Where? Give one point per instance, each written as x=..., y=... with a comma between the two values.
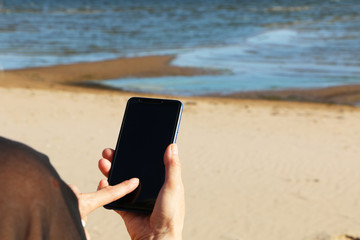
x=148, y=127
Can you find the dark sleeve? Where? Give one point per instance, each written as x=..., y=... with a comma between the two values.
x=34, y=201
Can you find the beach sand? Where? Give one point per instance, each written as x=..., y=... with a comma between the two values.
x=252, y=169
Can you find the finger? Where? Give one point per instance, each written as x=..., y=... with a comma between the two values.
x=108, y=153
x=87, y=235
x=104, y=166
x=109, y=194
x=102, y=184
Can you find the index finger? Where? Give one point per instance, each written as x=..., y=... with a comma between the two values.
x=108, y=194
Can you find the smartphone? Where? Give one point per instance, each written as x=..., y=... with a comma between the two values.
x=149, y=125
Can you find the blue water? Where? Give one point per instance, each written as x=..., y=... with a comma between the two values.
x=259, y=44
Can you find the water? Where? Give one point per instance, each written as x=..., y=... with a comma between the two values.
x=260, y=44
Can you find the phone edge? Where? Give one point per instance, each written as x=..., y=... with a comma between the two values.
x=145, y=211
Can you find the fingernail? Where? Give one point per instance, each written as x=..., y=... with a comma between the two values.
x=134, y=182
x=83, y=223
x=174, y=149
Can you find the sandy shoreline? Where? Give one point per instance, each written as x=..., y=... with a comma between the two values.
x=76, y=77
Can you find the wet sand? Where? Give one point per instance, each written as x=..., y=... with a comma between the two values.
x=76, y=77
x=347, y=95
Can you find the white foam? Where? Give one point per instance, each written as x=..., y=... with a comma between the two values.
x=217, y=57
x=259, y=55
x=241, y=57
x=281, y=36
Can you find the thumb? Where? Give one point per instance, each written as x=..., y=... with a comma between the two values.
x=172, y=167
x=170, y=203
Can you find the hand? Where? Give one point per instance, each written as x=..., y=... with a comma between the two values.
x=88, y=202
x=167, y=218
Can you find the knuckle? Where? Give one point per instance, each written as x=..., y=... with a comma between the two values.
x=176, y=162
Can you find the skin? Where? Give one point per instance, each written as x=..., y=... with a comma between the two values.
x=167, y=218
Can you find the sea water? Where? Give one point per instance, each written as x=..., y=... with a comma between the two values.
x=257, y=45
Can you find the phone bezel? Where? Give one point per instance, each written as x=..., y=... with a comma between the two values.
x=174, y=138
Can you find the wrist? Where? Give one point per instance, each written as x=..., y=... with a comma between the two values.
x=167, y=237
x=163, y=236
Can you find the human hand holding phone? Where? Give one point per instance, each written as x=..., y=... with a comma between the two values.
x=167, y=219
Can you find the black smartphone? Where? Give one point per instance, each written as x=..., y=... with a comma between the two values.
x=149, y=125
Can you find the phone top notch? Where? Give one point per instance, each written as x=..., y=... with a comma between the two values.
x=148, y=100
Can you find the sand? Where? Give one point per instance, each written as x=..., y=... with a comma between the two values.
x=252, y=169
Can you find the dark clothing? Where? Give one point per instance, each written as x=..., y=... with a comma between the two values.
x=35, y=203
